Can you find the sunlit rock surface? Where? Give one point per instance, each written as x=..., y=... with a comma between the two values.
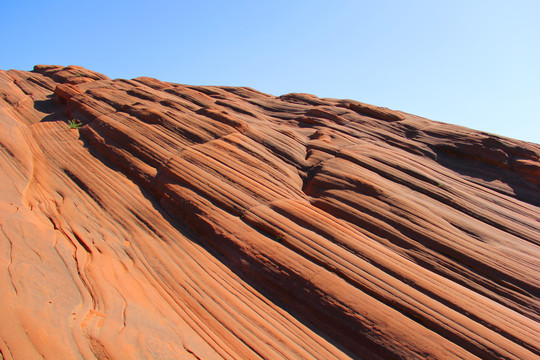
x=206, y=222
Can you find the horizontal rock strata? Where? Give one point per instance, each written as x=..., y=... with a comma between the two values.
x=213, y=222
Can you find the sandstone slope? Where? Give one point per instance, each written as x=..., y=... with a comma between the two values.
x=205, y=222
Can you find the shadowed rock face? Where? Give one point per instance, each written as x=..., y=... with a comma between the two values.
x=205, y=222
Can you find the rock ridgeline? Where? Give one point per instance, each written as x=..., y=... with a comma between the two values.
x=214, y=222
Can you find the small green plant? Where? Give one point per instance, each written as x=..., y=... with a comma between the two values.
x=74, y=124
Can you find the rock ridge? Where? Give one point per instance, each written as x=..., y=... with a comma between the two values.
x=216, y=222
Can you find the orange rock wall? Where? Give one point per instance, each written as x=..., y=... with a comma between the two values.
x=205, y=222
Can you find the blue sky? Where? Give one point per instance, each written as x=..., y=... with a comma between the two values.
x=474, y=63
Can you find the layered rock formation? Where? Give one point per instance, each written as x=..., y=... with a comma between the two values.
x=205, y=222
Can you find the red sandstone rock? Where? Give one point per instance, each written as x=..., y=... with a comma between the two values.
x=223, y=223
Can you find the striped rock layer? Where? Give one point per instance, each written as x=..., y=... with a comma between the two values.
x=213, y=222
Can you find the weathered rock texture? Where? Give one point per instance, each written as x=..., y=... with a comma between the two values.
x=205, y=222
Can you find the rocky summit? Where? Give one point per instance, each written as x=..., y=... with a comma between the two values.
x=143, y=219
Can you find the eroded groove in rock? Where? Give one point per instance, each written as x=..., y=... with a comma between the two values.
x=212, y=222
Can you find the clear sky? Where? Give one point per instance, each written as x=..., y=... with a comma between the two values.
x=469, y=62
